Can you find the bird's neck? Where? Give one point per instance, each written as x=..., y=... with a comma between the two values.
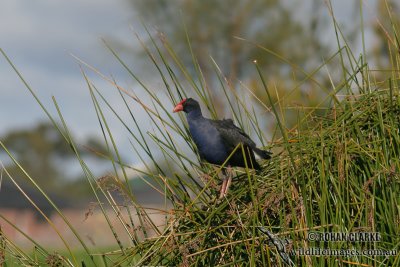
x=194, y=114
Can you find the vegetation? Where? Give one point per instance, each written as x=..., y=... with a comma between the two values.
x=336, y=170
x=41, y=150
x=267, y=30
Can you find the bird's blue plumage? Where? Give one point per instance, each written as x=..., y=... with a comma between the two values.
x=207, y=139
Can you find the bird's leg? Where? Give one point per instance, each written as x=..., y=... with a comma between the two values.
x=223, y=186
x=226, y=182
x=230, y=175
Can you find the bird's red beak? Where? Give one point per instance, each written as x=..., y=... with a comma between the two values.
x=179, y=106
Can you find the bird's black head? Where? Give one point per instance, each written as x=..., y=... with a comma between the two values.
x=187, y=105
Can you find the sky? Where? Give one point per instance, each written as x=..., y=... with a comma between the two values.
x=40, y=36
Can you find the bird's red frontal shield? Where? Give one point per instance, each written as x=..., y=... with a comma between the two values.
x=179, y=106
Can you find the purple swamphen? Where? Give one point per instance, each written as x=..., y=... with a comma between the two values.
x=217, y=139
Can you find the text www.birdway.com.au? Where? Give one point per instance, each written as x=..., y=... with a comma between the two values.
x=366, y=237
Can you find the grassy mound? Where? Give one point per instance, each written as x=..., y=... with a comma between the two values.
x=340, y=176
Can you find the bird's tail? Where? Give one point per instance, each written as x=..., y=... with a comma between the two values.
x=262, y=153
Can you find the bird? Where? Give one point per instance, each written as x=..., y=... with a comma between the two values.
x=218, y=141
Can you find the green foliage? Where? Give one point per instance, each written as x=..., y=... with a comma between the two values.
x=341, y=176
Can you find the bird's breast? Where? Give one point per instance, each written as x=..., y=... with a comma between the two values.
x=208, y=141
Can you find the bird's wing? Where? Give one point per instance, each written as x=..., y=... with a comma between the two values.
x=231, y=134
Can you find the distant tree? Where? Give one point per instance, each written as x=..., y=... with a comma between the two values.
x=44, y=154
x=213, y=25
x=213, y=28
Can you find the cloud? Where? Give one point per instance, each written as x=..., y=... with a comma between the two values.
x=38, y=37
